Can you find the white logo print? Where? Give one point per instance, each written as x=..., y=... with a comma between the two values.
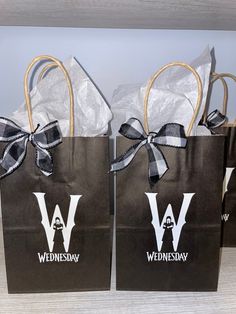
x=225, y=217
x=50, y=228
x=176, y=227
x=228, y=173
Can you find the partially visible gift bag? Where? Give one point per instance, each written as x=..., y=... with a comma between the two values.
x=216, y=121
x=169, y=189
x=56, y=225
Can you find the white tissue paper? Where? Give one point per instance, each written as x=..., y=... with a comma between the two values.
x=173, y=98
x=50, y=101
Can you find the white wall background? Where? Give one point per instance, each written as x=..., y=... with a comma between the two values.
x=111, y=57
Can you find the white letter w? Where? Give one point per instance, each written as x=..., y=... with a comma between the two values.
x=177, y=227
x=67, y=228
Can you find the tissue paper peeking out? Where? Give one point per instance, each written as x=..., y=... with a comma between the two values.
x=50, y=101
x=172, y=98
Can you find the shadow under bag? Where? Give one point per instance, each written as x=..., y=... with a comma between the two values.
x=56, y=228
x=168, y=227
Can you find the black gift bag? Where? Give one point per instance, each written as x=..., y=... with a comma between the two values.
x=57, y=233
x=228, y=215
x=216, y=122
x=168, y=228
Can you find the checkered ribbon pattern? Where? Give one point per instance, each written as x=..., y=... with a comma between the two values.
x=15, y=151
x=171, y=134
x=214, y=120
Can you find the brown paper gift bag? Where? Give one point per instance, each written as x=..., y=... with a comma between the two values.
x=228, y=215
x=168, y=235
x=57, y=232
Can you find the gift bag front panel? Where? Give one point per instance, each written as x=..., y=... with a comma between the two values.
x=168, y=236
x=57, y=228
x=228, y=216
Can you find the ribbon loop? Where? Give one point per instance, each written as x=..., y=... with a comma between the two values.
x=133, y=129
x=9, y=130
x=214, y=120
x=14, y=153
x=171, y=134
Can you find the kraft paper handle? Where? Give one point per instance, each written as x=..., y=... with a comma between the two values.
x=58, y=63
x=150, y=85
x=46, y=68
x=221, y=76
x=214, y=78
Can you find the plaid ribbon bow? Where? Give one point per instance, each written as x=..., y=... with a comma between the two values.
x=214, y=120
x=14, y=153
x=171, y=134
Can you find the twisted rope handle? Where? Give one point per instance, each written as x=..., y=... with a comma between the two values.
x=150, y=85
x=58, y=63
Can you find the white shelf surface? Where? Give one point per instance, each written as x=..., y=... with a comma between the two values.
x=123, y=302
x=157, y=14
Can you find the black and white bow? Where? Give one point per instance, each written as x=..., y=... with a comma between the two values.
x=14, y=153
x=171, y=134
x=214, y=120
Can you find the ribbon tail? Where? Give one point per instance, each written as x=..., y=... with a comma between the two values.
x=13, y=155
x=44, y=161
x=157, y=163
x=124, y=160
